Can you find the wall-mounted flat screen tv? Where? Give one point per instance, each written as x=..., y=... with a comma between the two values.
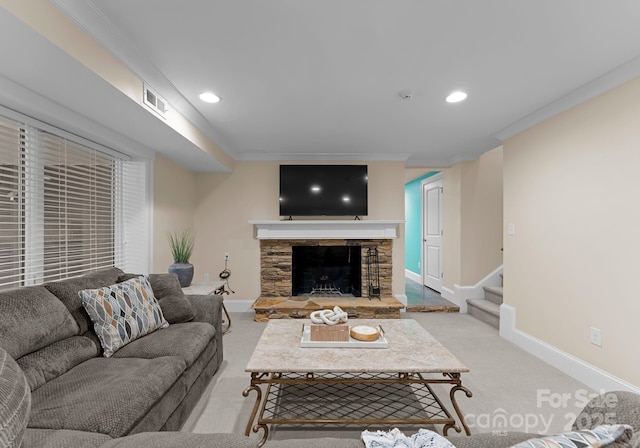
x=323, y=190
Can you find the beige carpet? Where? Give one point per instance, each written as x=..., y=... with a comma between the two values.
x=510, y=387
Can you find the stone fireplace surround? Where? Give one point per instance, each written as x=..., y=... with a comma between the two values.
x=276, y=255
x=278, y=237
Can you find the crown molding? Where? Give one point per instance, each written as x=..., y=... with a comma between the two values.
x=616, y=77
x=294, y=157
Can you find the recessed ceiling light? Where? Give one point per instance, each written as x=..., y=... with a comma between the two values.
x=456, y=97
x=316, y=188
x=209, y=97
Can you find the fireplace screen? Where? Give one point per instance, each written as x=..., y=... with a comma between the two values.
x=326, y=271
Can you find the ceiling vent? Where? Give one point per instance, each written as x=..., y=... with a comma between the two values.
x=154, y=101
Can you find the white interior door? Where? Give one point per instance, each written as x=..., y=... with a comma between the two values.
x=432, y=235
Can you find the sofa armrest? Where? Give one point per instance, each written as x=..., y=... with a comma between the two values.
x=612, y=408
x=207, y=308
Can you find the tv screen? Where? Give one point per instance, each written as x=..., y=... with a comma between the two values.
x=323, y=190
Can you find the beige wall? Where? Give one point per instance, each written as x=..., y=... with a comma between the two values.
x=472, y=219
x=481, y=225
x=174, y=200
x=452, y=226
x=225, y=202
x=572, y=189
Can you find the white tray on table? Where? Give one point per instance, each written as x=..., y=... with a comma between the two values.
x=306, y=342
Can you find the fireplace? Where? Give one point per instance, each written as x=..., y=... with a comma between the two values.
x=326, y=271
x=280, y=268
x=365, y=240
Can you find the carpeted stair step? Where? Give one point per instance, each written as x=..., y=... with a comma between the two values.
x=485, y=311
x=493, y=294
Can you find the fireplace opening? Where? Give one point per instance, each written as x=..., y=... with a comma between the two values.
x=326, y=271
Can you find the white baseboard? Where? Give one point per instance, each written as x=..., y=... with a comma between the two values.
x=450, y=295
x=447, y=293
x=238, y=306
x=412, y=276
x=460, y=294
x=402, y=298
x=582, y=371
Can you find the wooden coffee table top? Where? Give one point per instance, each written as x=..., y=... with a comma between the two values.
x=411, y=350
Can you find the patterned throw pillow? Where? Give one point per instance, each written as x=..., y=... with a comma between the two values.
x=123, y=312
x=601, y=436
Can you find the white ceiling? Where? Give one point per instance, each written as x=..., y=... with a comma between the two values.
x=320, y=79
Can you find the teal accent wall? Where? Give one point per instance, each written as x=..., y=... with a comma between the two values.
x=412, y=227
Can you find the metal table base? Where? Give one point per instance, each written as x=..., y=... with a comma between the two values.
x=352, y=399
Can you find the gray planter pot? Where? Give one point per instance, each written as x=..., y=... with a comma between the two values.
x=184, y=271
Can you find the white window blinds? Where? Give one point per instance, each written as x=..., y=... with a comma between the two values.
x=63, y=207
x=11, y=200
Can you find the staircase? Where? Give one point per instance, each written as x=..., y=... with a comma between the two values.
x=487, y=309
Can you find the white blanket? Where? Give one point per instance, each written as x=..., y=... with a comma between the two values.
x=396, y=439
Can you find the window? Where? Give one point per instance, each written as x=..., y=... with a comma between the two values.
x=67, y=206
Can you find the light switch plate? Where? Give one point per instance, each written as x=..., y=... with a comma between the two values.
x=596, y=337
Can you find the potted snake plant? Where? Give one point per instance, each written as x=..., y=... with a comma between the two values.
x=181, y=244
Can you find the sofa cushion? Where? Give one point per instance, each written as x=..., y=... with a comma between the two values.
x=62, y=438
x=107, y=275
x=15, y=399
x=489, y=439
x=67, y=291
x=166, y=287
x=32, y=318
x=174, y=304
x=127, y=276
x=123, y=312
x=320, y=442
x=173, y=439
x=186, y=341
x=109, y=396
x=600, y=436
x=55, y=359
x=176, y=308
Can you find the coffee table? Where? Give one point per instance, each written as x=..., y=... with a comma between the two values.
x=352, y=386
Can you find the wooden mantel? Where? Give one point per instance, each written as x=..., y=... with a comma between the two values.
x=326, y=229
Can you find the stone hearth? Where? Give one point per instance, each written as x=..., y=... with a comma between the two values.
x=285, y=308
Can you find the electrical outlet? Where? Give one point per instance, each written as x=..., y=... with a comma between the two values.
x=226, y=256
x=596, y=337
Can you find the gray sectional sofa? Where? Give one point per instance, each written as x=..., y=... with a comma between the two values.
x=151, y=384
